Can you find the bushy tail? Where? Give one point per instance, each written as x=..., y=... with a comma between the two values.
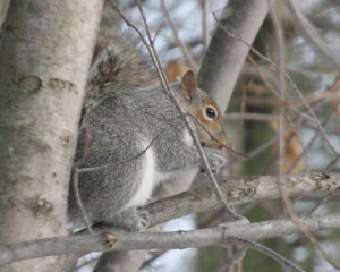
x=120, y=65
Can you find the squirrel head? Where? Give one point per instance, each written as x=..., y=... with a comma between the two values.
x=209, y=123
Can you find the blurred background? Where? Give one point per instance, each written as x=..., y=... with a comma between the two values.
x=182, y=30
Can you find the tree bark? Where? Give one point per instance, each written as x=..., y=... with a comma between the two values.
x=228, y=49
x=3, y=11
x=44, y=58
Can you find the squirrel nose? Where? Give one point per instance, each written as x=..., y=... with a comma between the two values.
x=219, y=141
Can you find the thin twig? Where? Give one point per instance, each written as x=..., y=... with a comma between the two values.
x=182, y=46
x=205, y=26
x=253, y=116
x=79, y=200
x=283, y=114
x=283, y=93
x=309, y=146
x=268, y=252
x=312, y=112
x=258, y=150
x=325, y=199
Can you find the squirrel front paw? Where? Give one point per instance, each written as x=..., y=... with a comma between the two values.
x=132, y=219
x=136, y=219
x=142, y=219
x=216, y=158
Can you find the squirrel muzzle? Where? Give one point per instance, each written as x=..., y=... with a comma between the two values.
x=212, y=140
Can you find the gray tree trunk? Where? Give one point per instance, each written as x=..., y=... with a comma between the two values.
x=45, y=53
x=3, y=11
x=228, y=49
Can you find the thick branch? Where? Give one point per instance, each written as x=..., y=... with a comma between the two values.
x=163, y=240
x=224, y=59
x=240, y=191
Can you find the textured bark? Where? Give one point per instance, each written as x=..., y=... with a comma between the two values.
x=3, y=11
x=44, y=57
x=240, y=191
x=226, y=54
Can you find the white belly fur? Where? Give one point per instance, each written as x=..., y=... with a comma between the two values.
x=148, y=180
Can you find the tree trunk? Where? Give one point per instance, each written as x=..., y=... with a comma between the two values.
x=45, y=54
x=3, y=11
x=228, y=49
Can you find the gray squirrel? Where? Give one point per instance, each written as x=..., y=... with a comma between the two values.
x=132, y=138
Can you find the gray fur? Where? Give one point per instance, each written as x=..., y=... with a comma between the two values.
x=112, y=134
x=145, y=114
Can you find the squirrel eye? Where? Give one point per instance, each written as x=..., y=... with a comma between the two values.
x=210, y=113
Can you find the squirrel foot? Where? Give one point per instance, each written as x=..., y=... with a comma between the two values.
x=216, y=159
x=132, y=219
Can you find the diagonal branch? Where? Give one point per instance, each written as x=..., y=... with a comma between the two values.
x=225, y=56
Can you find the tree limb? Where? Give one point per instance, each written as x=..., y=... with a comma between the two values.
x=110, y=241
x=240, y=191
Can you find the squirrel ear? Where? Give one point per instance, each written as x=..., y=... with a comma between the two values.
x=189, y=85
